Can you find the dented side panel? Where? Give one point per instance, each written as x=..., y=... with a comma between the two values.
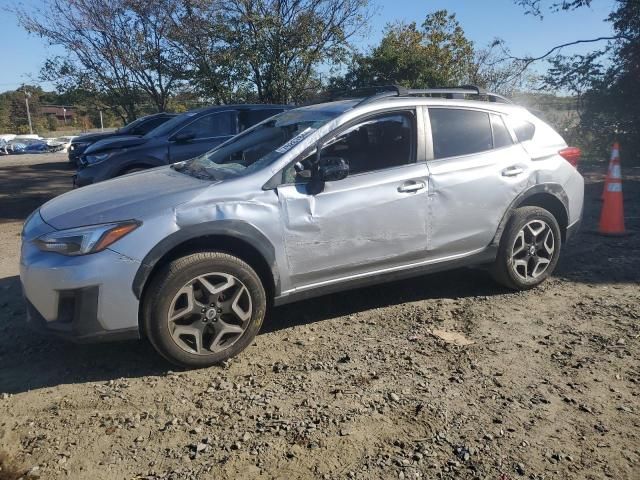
x=469, y=196
x=354, y=225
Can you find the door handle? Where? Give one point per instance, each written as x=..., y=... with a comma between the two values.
x=409, y=187
x=512, y=171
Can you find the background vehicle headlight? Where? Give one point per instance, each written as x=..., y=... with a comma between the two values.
x=85, y=240
x=77, y=145
x=98, y=158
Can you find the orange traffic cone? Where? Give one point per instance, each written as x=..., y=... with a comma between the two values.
x=612, y=215
x=615, y=154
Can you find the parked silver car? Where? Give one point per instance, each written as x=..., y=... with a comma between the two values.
x=316, y=199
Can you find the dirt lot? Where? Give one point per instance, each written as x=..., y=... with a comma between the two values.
x=353, y=385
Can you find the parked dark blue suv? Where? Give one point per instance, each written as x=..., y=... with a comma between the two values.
x=137, y=128
x=184, y=136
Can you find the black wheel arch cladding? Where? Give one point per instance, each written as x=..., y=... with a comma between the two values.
x=537, y=196
x=224, y=230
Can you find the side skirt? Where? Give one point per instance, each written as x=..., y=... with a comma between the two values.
x=485, y=256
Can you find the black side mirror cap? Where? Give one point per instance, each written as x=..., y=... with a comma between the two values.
x=183, y=137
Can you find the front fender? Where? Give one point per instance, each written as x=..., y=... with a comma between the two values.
x=231, y=229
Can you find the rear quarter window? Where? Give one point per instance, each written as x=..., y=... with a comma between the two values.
x=524, y=130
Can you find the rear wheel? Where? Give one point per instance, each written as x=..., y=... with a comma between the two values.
x=204, y=308
x=528, y=250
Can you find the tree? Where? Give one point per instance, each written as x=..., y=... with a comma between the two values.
x=435, y=54
x=268, y=49
x=604, y=81
x=121, y=48
x=13, y=111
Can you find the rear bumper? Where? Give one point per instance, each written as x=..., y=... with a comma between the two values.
x=573, y=229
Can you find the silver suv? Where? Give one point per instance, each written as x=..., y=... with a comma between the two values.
x=316, y=199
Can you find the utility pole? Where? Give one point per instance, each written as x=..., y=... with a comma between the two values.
x=101, y=124
x=26, y=102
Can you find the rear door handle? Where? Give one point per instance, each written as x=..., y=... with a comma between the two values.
x=512, y=171
x=411, y=186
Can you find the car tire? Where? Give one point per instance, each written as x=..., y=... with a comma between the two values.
x=225, y=304
x=529, y=249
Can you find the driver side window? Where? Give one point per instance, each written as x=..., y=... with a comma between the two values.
x=379, y=142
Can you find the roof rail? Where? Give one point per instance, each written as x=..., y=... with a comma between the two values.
x=449, y=92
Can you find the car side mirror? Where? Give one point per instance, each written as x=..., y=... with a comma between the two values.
x=183, y=137
x=332, y=169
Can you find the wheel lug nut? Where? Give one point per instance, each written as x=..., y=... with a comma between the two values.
x=219, y=310
x=203, y=310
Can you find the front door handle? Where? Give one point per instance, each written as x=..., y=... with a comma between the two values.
x=512, y=171
x=412, y=186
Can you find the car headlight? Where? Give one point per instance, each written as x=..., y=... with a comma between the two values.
x=77, y=145
x=98, y=158
x=85, y=240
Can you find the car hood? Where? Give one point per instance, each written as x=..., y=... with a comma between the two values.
x=93, y=137
x=121, y=141
x=135, y=196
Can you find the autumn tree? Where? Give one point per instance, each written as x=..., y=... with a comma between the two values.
x=119, y=47
x=285, y=41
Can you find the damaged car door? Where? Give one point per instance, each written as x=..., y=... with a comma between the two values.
x=477, y=170
x=375, y=218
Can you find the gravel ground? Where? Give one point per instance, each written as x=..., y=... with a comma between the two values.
x=444, y=376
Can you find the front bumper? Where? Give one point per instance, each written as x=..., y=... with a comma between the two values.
x=74, y=153
x=84, y=176
x=81, y=298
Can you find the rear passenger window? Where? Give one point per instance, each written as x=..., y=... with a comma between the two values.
x=524, y=130
x=248, y=118
x=501, y=136
x=459, y=132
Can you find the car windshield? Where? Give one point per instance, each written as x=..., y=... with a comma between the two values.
x=167, y=127
x=132, y=125
x=259, y=146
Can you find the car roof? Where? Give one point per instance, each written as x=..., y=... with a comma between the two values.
x=341, y=106
x=241, y=106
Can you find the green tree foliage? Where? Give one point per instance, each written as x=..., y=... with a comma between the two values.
x=606, y=83
x=435, y=54
x=133, y=52
x=268, y=50
x=13, y=110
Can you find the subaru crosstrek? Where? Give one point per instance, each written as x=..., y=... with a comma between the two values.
x=316, y=199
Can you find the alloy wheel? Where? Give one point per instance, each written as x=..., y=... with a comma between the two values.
x=209, y=313
x=532, y=250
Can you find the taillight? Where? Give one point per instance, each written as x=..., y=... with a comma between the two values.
x=571, y=155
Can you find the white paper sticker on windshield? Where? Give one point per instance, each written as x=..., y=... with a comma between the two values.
x=295, y=140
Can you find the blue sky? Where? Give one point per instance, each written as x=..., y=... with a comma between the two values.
x=22, y=55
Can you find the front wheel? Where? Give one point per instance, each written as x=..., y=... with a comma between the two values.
x=528, y=250
x=204, y=308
